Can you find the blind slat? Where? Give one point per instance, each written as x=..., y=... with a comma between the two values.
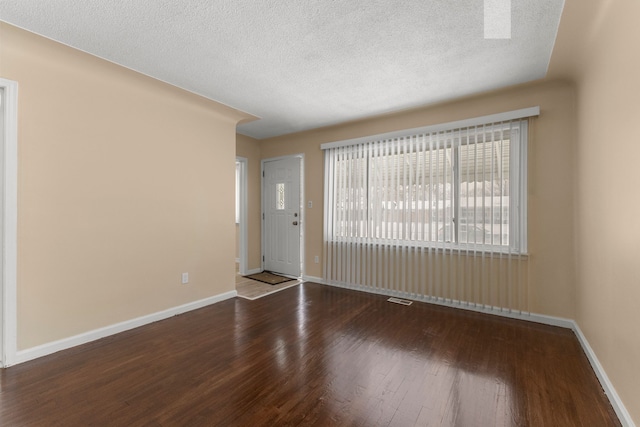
x=441, y=215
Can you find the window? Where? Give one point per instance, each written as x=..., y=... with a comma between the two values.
x=460, y=188
x=280, y=194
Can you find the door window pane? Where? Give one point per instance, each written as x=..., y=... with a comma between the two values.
x=280, y=202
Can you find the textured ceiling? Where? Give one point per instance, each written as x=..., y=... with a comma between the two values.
x=304, y=64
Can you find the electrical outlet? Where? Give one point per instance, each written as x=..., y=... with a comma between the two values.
x=310, y=204
x=316, y=259
x=185, y=278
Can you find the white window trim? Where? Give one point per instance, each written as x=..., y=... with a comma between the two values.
x=518, y=216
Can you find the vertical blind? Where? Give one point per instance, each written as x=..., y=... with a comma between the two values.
x=439, y=215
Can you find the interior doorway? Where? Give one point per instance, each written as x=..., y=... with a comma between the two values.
x=2, y=309
x=241, y=216
x=282, y=219
x=8, y=220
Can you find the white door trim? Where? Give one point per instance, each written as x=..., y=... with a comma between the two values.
x=243, y=250
x=302, y=209
x=10, y=223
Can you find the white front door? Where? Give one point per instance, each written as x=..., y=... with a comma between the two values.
x=281, y=204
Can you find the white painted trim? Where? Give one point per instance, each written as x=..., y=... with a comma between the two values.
x=456, y=304
x=253, y=271
x=313, y=279
x=243, y=252
x=614, y=398
x=8, y=287
x=96, y=334
x=610, y=391
x=270, y=293
x=492, y=118
x=303, y=217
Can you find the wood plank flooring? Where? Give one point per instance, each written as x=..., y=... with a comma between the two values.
x=314, y=355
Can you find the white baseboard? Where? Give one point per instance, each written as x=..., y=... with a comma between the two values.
x=237, y=260
x=610, y=391
x=63, y=344
x=96, y=334
x=254, y=271
x=548, y=320
x=270, y=293
x=614, y=399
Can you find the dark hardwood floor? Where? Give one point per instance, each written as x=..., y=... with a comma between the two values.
x=314, y=355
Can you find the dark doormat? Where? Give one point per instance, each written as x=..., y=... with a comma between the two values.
x=268, y=277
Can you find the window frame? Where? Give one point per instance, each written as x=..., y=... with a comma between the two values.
x=517, y=192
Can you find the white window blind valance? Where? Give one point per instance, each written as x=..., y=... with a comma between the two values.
x=476, y=121
x=438, y=212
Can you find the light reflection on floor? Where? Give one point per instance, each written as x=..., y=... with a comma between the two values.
x=354, y=361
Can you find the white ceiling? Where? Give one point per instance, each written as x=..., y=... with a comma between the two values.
x=304, y=64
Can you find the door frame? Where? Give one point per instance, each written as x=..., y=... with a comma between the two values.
x=9, y=221
x=243, y=250
x=302, y=221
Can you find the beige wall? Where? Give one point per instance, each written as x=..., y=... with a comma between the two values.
x=123, y=184
x=551, y=207
x=608, y=195
x=249, y=148
x=116, y=174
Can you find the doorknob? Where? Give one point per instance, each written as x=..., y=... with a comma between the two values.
x=295, y=222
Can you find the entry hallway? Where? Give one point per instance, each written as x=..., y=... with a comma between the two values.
x=314, y=355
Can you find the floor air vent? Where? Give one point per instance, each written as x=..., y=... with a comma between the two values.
x=400, y=301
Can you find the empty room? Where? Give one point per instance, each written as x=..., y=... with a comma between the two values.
x=444, y=193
